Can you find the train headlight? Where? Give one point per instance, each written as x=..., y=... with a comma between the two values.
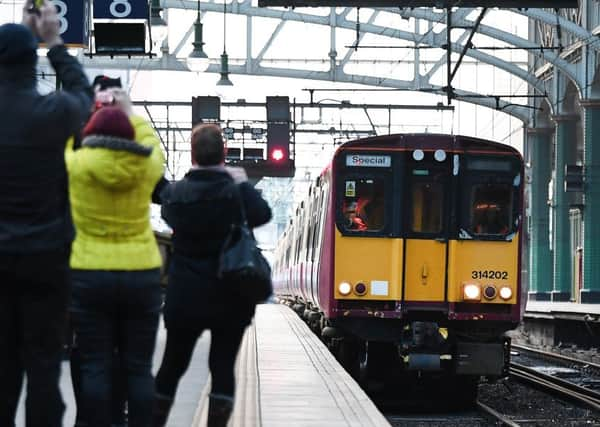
x=505, y=292
x=344, y=288
x=472, y=292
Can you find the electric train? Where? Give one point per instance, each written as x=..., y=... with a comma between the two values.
x=405, y=257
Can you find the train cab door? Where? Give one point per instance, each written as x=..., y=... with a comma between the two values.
x=426, y=222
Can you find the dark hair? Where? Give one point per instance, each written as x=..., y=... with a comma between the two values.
x=207, y=145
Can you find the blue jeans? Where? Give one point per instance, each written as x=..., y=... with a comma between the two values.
x=116, y=309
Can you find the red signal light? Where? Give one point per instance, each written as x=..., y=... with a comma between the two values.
x=277, y=154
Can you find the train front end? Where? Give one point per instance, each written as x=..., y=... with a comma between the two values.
x=424, y=254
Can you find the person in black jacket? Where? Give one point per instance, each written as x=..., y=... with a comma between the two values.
x=35, y=224
x=201, y=209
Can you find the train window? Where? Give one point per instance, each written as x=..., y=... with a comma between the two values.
x=491, y=209
x=363, y=206
x=427, y=207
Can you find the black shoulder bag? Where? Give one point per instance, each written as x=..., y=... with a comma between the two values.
x=241, y=262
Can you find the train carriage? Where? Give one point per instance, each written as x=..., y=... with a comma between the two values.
x=405, y=255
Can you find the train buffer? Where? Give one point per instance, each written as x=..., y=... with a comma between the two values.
x=285, y=377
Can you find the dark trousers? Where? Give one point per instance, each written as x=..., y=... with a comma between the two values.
x=115, y=309
x=34, y=291
x=225, y=342
x=119, y=388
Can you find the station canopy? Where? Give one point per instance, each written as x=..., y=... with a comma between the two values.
x=552, y=4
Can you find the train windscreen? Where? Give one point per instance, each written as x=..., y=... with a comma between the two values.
x=363, y=204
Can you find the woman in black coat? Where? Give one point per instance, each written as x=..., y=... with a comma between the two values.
x=200, y=209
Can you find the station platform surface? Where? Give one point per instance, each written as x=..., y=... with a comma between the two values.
x=537, y=308
x=285, y=376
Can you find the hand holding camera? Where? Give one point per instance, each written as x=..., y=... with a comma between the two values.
x=41, y=18
x=115, y=97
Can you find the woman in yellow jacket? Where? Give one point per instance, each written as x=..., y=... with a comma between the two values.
x=115, y=260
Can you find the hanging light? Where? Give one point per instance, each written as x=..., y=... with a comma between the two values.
x=197, y=60
x=224, y=81
x=157, y=23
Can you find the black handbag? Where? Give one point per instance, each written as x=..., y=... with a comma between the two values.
x=242, y=264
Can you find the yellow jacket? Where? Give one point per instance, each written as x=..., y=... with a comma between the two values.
x=110, y=185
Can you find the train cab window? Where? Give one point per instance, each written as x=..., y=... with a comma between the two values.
x=491, y=209
x=427, y=207
x=363, y=205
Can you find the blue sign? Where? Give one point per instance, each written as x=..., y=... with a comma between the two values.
x=74, y=19
x=121, y=9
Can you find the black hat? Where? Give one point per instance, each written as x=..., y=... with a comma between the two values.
x=17, y=45
x=104, y=82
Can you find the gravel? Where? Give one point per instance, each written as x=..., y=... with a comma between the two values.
x=528, y=406
x=524, y=405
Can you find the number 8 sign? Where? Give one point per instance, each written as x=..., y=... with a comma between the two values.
x=73, y=18
x=120, y=9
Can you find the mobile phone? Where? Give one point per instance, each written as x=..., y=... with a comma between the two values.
x=34, y=6
x=104, y=98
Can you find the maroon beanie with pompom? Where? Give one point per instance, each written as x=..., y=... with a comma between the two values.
x=109, y=121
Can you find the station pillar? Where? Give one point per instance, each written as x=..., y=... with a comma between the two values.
x=561, y=239
x=539, y=141
x=591, y=211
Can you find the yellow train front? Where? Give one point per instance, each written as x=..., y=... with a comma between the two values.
x=405, y=256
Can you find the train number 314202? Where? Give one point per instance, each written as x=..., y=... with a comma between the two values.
x=489, y=274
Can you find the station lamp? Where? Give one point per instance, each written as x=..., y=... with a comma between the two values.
x=224, y=81
x=157, y=23
x=197, y=61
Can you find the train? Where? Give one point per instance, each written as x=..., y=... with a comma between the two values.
x=405, y=258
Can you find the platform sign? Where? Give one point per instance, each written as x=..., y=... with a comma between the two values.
x=121, y=9
x=422, y=3
x=74, y=21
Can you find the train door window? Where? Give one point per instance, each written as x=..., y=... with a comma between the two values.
x=427, y=207
x=363, y=204
x=491, y=209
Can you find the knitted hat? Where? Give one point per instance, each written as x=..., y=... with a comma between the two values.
x=109, y=121
x=17, y=45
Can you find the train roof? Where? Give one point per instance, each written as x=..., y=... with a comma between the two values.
x=428, y=141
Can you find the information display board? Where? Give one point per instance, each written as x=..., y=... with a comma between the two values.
x=74, y=21
x=120, y=9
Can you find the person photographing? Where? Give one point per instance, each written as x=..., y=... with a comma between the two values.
x=36, y=229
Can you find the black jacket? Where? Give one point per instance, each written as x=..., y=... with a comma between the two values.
x=200, y=209
x=34, y=205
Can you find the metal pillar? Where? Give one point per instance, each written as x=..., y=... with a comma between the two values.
x=591, y=211
x=540, y=257
x=561, y=245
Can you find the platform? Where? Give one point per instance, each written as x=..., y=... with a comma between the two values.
x=285, y=377
x=560, y=309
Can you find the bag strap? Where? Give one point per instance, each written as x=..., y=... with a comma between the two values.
x=238, y=196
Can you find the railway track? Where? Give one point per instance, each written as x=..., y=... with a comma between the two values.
x=556, y=356
x=482, y=415
x=495, y=415
x=557, y=386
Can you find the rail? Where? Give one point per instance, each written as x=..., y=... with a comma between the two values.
x=557, y=386
x=556, y=356
x=496, y=415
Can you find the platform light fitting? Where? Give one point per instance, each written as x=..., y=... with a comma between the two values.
x=157, y=23
x=198, y=60
x=224, y=80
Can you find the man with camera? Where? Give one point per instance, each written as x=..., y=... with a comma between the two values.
x=36, y=230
